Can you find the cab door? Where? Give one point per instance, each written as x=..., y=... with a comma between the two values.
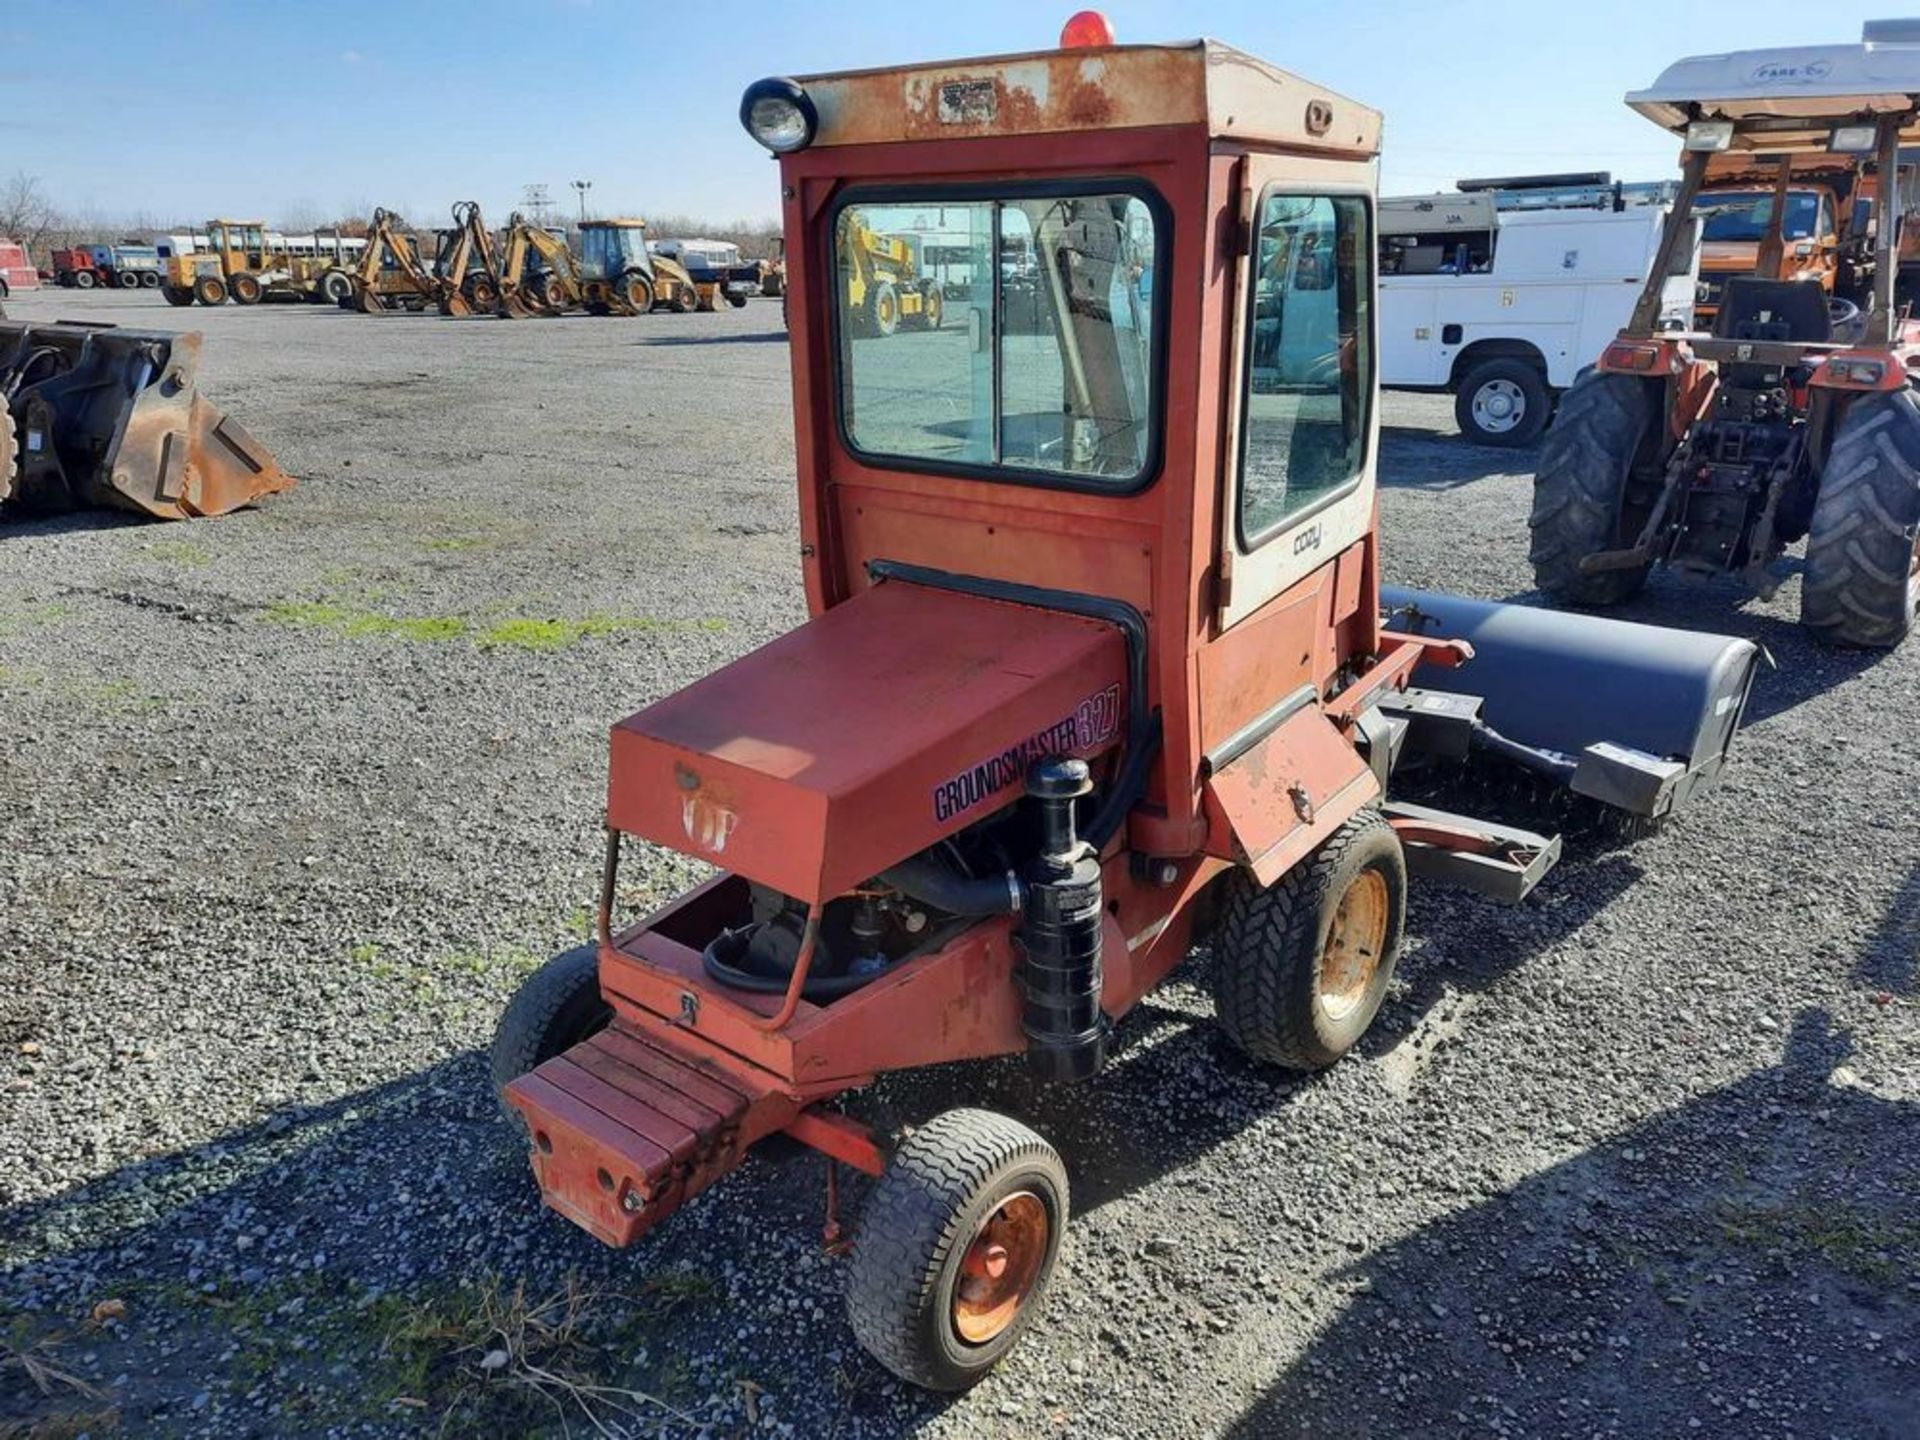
x=1299, y=487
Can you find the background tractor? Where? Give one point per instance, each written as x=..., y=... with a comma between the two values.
x=1794, y=416
x=389, y=274
x=1097, y=664
x=618, y=276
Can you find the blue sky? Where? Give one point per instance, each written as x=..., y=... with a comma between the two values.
x=180, y=109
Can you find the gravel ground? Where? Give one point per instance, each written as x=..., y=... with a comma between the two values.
x=291, y=800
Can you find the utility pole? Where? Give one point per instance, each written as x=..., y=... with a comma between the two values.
x=583, y=186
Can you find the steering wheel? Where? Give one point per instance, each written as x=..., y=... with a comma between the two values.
x=1841, y=312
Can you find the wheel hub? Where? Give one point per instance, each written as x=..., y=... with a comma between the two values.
x=998, y=1270
x=1499, y=405
x=1356, y=943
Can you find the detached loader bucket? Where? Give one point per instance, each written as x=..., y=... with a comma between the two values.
x=99, y=416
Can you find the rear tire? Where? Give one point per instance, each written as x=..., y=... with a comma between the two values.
x=210, y=290
x=1580, y=489
x=247, y=289
x=149, y=280
x=919, y=1298
x=1862, y=582
x=177, y=294
x=555, y=1008
x=1300, y=967
x=126, y=280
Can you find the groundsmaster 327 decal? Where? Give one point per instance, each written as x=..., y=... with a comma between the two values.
x=1093, y=721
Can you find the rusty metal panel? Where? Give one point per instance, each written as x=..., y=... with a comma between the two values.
x=1288, y=792
x=1232, y=94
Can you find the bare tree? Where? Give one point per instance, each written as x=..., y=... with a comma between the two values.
x=26, y=214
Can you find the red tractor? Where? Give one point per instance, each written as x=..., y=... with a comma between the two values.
x=1795, y=417
x=1098, y=663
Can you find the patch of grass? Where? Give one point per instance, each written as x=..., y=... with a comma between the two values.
x=184, y=553
x=326, y=615
x=488, y=1360
x=459, y=542
x=1846, y=1238
x=33, y=617
x=528, y=634
x=63, y=1425
x=36, y=1357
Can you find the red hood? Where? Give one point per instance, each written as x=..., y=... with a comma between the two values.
x=864, y=736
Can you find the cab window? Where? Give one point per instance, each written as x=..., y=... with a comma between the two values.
x=1309, y=367
x=1008, y=334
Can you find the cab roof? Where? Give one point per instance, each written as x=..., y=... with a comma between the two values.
x=1823, y=84
x=618, y=223
x=1196, y=82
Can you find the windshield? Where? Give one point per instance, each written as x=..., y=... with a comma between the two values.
x=1000, y=334
x=608, y=250
x=1741, y=215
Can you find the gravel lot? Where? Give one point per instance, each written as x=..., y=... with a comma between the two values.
x=289, y=801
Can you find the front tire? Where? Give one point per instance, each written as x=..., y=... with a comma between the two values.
x=1862, y=585
x=1580, y=489
x=961, y=1235
x=177, y=294
x=555, y=1008
x=210, y=290
x=1300, y=968
x=337, y=286
x=247, y=289
x=83, y=279
x=883, y=309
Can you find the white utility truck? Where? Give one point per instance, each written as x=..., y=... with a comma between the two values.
x=1504, y=301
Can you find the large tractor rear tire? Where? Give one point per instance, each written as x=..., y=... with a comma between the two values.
x=953, y=1255
x=1580, y=489
x=210, y=290
x=883, y=309
x=177, y=294
x=247, y=289
x=1301, y=966
x=1862, y=581
x=555, y=1008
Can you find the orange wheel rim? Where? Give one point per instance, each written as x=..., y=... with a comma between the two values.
x=1000, y=1267
x=1356, y=941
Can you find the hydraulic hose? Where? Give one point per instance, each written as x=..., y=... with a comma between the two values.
x=933, y=884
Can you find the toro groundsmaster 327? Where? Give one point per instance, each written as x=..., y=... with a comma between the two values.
x=1796, y=416
x=1098, y=663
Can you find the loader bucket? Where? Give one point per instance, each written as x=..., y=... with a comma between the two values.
x=1642, y=715
x=99, y=416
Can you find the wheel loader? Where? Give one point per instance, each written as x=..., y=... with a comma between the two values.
x=1098, y=665
x=99, y=416
x=885, y=289
x=1794, y=416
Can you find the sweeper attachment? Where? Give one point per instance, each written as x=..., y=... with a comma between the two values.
x=98, y=416
x=1097, y=665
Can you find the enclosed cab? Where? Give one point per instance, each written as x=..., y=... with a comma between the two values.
x=619, y=275
x=1097, y=662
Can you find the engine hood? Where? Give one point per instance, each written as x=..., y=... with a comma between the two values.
x=871, y=732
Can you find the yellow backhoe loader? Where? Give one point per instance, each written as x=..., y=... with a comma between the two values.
x=619, y=277
x=540, y=275
x=469, y=265
x=390, y=274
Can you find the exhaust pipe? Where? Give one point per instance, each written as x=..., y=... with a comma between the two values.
x=1639, y=717
x=99, y=416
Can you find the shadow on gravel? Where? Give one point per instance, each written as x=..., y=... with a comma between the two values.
x=767, y=337
x=1743, y=1265
x=1412, y=458
x=15, y=526
x=1891, y=960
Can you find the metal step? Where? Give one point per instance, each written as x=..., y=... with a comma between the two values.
x=626, y=1128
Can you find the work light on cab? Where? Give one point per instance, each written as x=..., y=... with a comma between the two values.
x=779, y=115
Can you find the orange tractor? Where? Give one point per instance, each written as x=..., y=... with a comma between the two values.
x=1098, y=664
x=1795, y=415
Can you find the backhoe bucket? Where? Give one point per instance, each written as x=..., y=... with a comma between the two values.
x=99, y=416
